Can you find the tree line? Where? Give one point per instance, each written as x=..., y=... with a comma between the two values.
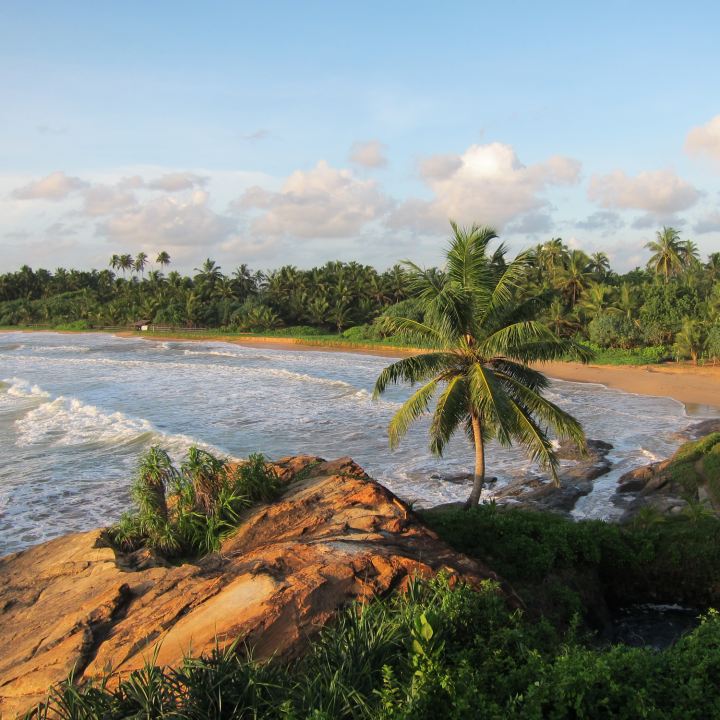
x=669, y=308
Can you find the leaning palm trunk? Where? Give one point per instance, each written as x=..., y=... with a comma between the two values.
x=479, y=475
x=484, y=336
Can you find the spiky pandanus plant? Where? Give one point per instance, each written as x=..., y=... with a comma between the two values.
x=479, y=370
x=207, y=476
x=155, y=474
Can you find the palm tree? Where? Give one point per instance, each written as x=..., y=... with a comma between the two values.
x=576, y=276
x=599, y=264
x=126, y=262
x=163, y=259
x=669, y=255
x=140, y=263
x=483, y=341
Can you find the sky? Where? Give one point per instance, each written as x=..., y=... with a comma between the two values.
x=301, y=132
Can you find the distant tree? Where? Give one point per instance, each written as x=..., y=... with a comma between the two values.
x=599, y=264
x=163, y=259
x=141, y=260
x=690, y=341
x=669, y=254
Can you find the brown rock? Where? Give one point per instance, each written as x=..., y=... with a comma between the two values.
x=334, y=537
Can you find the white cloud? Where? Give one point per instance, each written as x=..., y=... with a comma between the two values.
x=105, y=199
x=705, y=140
x=486, y=184
x=531, y=224
x=56, y=186
x=708, y=224
x=369, y=154
x=658, y=192
x=177, y=181
x=324, y=202
x=168, y=221
x=606, y=221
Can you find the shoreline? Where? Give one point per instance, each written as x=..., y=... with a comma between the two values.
x=697, y=388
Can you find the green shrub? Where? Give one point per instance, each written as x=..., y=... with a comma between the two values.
x=435, y=652
x=613, y=330
x=188, y=512
x=75, y=325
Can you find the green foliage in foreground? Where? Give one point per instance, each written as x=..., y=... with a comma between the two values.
x=434, y=652
x=188, y=512
x=670, y=560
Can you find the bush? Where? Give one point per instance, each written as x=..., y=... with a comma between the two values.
x=613, y=331
x=435, y=652
x=76, y=325
x=188, y=512
x=363, y=333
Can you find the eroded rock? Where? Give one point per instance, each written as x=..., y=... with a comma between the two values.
x=334, y=537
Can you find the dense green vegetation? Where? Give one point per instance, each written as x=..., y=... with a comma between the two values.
x=668, y=309
x=186, y=512
x=443, y=652
x=477, y=371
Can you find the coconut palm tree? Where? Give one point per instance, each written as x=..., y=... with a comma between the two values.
x=599, y=264
x=141, y=260
x=482, y=343
x=163, y=259
x=669, y=253
x=576, y=276
x=126, y=262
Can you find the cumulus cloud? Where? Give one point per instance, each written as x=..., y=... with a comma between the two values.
x=708, y=224
x=705, y=140
x=168, y=221
x=324, y=202
x=531, y=224
x=56, y=186
x=606, y=221
x=658, y=192
x=652, y=220
x=177, y=181
x=487, y=184
x=105, y=199
x=369, y=154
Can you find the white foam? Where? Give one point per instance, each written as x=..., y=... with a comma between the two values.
x=20, y=388
x=68, y=421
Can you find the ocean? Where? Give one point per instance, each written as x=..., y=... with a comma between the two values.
x=77, y=411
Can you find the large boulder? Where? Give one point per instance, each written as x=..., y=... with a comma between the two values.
x=335, y=536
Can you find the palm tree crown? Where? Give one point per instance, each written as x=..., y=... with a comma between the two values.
x=483, y=341
x=669, y=253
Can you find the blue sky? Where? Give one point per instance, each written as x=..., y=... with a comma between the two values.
x=302, y=132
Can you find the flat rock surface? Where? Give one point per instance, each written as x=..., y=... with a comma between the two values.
x=335, y=536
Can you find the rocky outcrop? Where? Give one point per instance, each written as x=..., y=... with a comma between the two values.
x=670, y=486
x=334, y=537
x=576, y=480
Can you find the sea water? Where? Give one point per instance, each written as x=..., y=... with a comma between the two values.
x=77, y=411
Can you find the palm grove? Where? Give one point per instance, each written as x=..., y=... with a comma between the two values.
x=669, y=309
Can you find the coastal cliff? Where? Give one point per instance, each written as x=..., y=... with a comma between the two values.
x=74, y=604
